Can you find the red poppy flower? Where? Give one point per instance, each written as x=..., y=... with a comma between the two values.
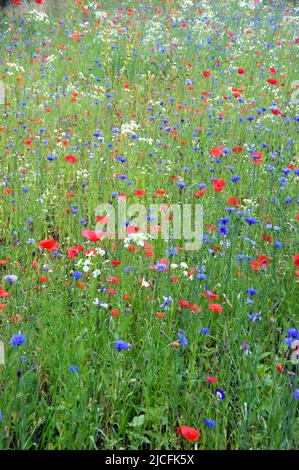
x=139, y=192
x=71, y=159
x=194, y=308
x=191, y=434
x=103, y=219
x=218, y=185
x=267, y=238
x=261, y=262
x=160, y=192
x=149, y=253
x=114, y=280
x=272, y=81
x=48, y=244
x=132, y=229
x=209, y=294
x=200, y=193
x=211, y=379
x=91, y=235
x=4, y=294
x=216, y=308
x=184, y=303
x=279, y=367
x=73, y=251
x=241, y=70
x=115, y=262
x=160, y=314
x=132, y=248
x=217, y=152
x=296, y=260
x=211, y=228
x=234, y=201
x=111, y=291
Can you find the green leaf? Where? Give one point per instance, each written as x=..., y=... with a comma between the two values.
x=137, y=421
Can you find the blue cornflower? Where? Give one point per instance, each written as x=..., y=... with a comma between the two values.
x=245, y=347
x=120, y=345
x=17, y=340
x=224, y=221
x=172, y=251
x=159, y=266
x=74, y=369
x=251, y=220
x=77, y=275
x=254, y=316
x=11, y=278
x=210, y=423
x=296, y=394
x=167, y=301
x=205, y=331
x=251, y=291
x=293, y=333
x=283, y=181
x=223, y=230
x=220, y=394
x=182, y=339
x=201, y=276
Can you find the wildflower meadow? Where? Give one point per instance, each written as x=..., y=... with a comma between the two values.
x=149, y=215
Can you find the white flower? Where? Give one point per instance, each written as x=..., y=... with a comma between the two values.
x=101, y=304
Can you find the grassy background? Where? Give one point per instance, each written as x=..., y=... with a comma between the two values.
x=57, y=75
